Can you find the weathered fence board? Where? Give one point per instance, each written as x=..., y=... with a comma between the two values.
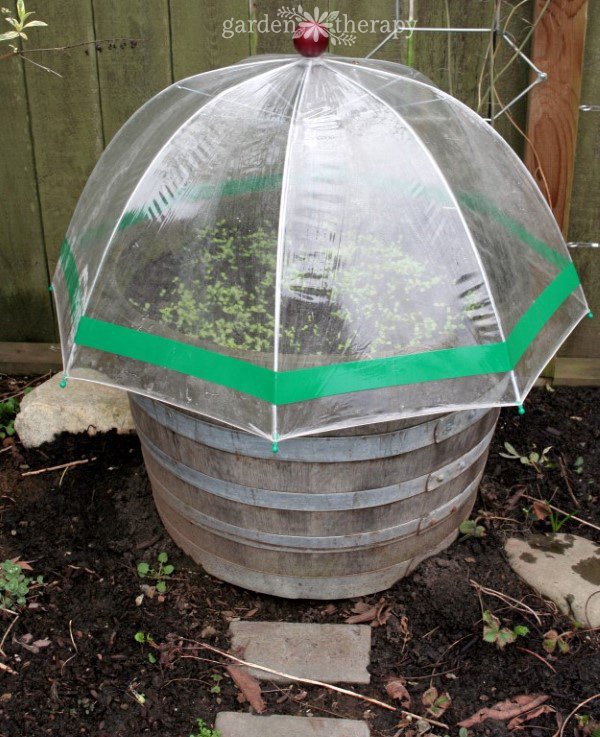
x=65, y=116
x=25, y=306
x=130, y=72
x=197, y=35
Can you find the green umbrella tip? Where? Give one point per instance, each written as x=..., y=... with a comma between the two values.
x=63, y=382
x=521, y=409
x=275, y=443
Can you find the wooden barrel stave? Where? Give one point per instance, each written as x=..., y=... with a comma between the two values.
x=322, y=529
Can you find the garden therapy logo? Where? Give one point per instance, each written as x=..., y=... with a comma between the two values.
x=317, y=25
x=335, y=26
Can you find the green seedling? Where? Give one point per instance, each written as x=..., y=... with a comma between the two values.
x=435, y=702
x=159, y=574
x=20, y=23
x=216, y=678
x=9, y=409
x=578, y=465
x=543, y=510
x=146, y=640
x=15, y=585
x=501, y=636
x=553, y=642
x=536, y=460
x=470, y=529
x=586, y=726
x=202, y=730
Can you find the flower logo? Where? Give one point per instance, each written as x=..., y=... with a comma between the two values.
x=316, y=26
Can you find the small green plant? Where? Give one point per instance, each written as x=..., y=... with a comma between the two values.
x=202, y=730
x=14, y=585
x=470, y=529
x=9, y=409
x=578, y=465
x=586, y=726
x=554, y=641
x=536, y=460
x=502, y=636
x=543, y=510
x=216, y=689
x=19, y=23
x=159, y=574
x=146, y=639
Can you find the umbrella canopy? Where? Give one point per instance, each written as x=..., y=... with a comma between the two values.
x=294, y=245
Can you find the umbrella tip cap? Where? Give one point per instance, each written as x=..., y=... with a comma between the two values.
x=521, y=409
x=63, y=382
x=275, y=442
x=591, y=315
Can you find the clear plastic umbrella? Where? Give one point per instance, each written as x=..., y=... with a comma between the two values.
x=293, y=245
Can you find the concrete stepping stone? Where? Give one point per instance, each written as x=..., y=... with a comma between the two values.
x=80, y=407
x=561, y=567
x=230, y=724
x=332, y=653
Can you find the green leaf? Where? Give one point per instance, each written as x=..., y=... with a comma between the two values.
x=563, y=647
x=143, y=569
x=549, y=644
x=139, y=637
x=21, y=8
x=490, y=635
x=161, y=587
x=163, y=557
x=511, y=449
x=168, y=570
x=534, y=457
x=34, y=23
x=151, y=658
x=216, y=689
x=520, y=630
x=8, y=36
x=7, y=405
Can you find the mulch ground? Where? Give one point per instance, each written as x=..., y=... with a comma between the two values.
x=86, y=529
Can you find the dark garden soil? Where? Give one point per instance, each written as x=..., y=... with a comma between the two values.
x=84, y=531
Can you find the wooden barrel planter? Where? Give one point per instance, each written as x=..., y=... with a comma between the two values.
x=329, y=517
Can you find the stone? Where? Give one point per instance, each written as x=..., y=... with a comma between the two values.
x=230, y=724
x=331, y=653
x=561, y=567
x=82, y=406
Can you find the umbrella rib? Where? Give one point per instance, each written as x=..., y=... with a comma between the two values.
x=446, y=184
x=281, y=231
x=147, y=169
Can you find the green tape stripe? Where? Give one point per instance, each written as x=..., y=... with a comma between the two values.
x=287, y=387
x=71, y=275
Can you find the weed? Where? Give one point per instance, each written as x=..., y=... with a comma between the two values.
x=586, y=726
x=9, y=409
x=15, y=585
x=502, y=636
x=202, y=730
x=578, y=465
x=216, y=689
x=543, y=510
x=536, y=460
x=159, y=574
x=147, y=640
x=470, y=529
x=553, y=642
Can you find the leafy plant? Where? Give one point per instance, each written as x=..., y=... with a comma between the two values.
x=543, y=510
x=14, y=585
x=159, y=574
x=470, y=529
x=534, y=459
x=9, y=409
x=554, y=641
x=436, y=703
x=216, y=689
x=202, y=730
x=19, y=23
x=502, y=636
x=146, y=640
x=578, y=465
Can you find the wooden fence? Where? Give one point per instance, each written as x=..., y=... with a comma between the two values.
x=53, y=129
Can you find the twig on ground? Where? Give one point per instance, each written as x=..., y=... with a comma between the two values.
x=565, y=474
x=575, y=710
x=25, y=386
x=538, y=656
x=68, y=660
x=58, y=468
x=8, y=629
x=561, y=511
x=8, y=669
x=311, y=682
x=507, y=600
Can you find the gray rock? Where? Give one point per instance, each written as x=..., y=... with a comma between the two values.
x=564, y=568
x=230, y=724
x=82, y=406
x=332, y=653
